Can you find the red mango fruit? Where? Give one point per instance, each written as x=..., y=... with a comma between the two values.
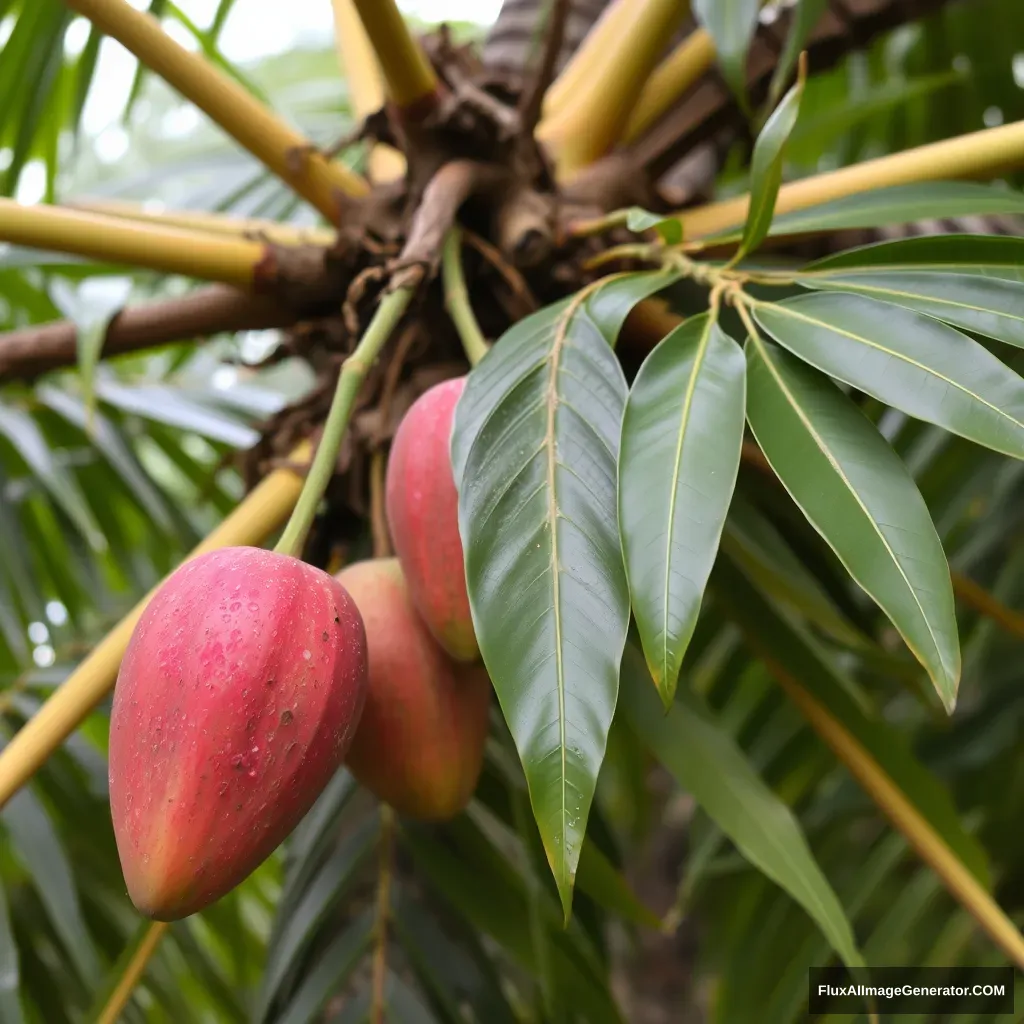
x=236, y=702
x=423, y=515
x=420, y=743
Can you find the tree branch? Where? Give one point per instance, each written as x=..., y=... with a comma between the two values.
x=31, y=351
x=447, y=190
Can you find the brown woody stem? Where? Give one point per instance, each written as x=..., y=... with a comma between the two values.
x=31, y=351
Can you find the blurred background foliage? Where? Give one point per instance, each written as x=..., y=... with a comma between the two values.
x=93, y=514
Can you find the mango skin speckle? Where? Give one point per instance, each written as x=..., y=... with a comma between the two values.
x=237, y=700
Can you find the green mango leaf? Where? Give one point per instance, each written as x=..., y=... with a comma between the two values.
x=858, y=495
x=10, y=1004
x=534, y=447
x=789, y=650
x=596, y=876
x=731, y=24
x=766, y=170
x=907, y=360
x=806, y=14
x=707, y=763
x=670, y=229
x=999, y=256
x=988, y=306
x=332, y=968
x=678, y=459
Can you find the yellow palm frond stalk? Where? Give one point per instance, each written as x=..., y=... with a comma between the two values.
x=282, y=149
x=594, y=118
x=171, y=250
x=670, y=79
x=906, y=818
x=365, y=83
x=211, y=223
x=982, y=154
x=590, y=57
x=408, y=76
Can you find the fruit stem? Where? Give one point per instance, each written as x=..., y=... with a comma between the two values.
x=456, y=298
x=353, y=372
x=136, y=967
x=380, y=938
x=378, y=513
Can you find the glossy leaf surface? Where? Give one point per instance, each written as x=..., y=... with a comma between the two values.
x=534, y=448
x=679, y=456
x=907, y=360
x=857, y=494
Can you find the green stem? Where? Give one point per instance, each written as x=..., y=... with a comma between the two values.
x=456, y=298
x=353, y=372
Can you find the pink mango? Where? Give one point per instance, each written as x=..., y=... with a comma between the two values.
x=423, y=515
x=237, y=699
x=420, y=744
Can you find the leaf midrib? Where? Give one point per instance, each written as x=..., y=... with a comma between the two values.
x=557, y=346
x=691, y=388
x=937, y=299
x=788, y=311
